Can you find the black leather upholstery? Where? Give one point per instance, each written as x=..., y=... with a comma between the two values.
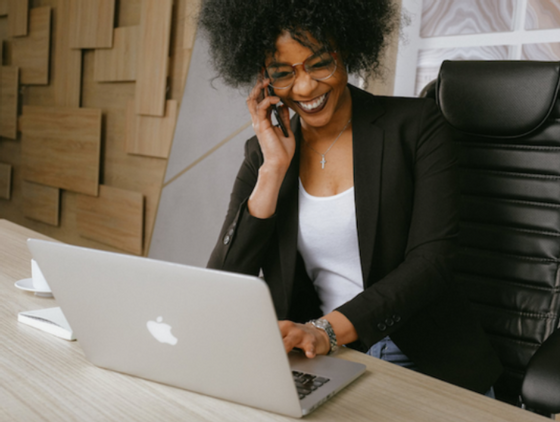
x=508, y=119
x=491, y=105
x=541, y=386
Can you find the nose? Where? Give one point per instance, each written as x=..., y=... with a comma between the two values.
x=303, y=83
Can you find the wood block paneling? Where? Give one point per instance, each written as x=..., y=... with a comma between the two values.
x=150, y=135
x=18, y=16
x=128, y=12
x=118, y=63
x=31, y=53
x=136, y=173
x=3, y=7
x=151, y=77
x=126, y=171
x=8, y=101
x=91, y=23
x=5, y=181
x=41, y=203
x=61, y=147
x=116, y=218
x=67, y=76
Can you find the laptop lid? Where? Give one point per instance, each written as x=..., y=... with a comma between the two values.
x=203, y=330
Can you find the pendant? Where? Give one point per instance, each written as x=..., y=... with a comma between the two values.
x=323, y=161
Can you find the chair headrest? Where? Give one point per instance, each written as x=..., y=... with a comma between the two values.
x=497, y=98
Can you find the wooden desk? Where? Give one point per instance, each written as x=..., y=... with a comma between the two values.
x=43, y=377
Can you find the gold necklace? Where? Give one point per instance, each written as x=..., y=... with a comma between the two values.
x=323, y=161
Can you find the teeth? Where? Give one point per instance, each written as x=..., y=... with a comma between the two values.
x=310, y=106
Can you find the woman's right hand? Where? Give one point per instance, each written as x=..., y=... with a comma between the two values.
x=278, y=150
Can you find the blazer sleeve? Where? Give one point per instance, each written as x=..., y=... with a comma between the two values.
x=243, y=239
x=425, y=273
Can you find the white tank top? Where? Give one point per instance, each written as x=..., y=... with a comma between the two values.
x=328, y=243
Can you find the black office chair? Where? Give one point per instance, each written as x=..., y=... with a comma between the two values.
x=507, y=115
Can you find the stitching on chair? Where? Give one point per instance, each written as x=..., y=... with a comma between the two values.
x=500, y=337
x=486, y=252
x=534, y=204
x=534, y=315
x=511, y=174
x=508, y=146
x=509, y=228
x=476, y=278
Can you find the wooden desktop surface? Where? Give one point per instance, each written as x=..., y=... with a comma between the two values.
x=45, y=378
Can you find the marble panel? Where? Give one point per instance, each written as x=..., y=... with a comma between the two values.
x=193, y=207
x=429, y=61
x=542, y=14
x=543, y=52
x=462, y=17
x=209, y=113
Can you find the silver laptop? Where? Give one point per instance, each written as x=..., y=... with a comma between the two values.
x=207, y=331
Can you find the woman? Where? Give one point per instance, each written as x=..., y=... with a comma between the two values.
x=352, y=214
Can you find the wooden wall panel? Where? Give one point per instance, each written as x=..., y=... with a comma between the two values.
x=151, y=77
x=129, y=12
x=116, y=218
x=41, y=203
x=61, y=147
x=3, y=7
x=67, y=73
x=150, y=135
x=119, y=169
x=5, y=181
x=136, y=173
x=31, y=53
x=8, y=101
x=91, y=23
x=18, y=16
x=118, y=63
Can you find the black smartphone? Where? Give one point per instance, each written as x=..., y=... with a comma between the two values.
x=276, y=113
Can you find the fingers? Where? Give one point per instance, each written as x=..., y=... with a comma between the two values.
x=301, y=336
x=285, y=116
x=259, y=106
x=256, y=95
x=263, y=108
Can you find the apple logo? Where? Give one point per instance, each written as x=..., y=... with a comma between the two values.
x=161, y=331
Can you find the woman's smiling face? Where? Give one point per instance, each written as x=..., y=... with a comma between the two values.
x=316, y=102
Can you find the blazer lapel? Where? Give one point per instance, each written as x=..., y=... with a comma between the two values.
x=368, y=157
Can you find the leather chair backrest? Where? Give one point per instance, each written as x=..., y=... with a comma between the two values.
x=507, y=115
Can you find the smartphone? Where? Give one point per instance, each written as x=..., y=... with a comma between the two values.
x=276, y=113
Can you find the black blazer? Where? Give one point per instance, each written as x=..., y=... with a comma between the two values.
x=406, y=195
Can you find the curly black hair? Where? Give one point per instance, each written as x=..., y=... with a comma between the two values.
x=242, y=33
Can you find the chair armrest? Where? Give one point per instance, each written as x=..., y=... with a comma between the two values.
x=541, y=386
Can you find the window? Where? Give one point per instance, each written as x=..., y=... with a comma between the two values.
x=473, y=30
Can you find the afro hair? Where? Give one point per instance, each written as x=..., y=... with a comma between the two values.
x=242, y=33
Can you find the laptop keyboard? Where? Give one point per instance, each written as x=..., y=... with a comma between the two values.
x=307, y=383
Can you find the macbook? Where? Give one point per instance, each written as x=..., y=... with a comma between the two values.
x=206, y=331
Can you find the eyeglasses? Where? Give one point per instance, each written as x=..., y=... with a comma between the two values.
x=319, y=66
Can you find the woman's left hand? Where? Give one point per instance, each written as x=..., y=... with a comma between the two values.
x=312, y=340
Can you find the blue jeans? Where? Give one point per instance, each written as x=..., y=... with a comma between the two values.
x=388, y=351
